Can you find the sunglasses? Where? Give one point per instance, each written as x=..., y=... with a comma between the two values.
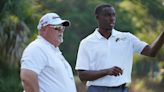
x=58, y=27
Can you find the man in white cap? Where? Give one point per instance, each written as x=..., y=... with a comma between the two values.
x=43, y=67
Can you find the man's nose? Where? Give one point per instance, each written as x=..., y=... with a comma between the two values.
x=112, y=17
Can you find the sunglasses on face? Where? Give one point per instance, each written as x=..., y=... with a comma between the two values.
x=58, y=27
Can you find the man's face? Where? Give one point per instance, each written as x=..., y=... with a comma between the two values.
x=55, y=34
x=106, y=18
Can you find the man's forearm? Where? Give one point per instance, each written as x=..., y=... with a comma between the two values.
x=157, y=44
x=28, y=87
x=91, y=75
x=30, y=80
x=152, y=50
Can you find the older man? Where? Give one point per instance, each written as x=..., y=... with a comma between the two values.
x=43, y=67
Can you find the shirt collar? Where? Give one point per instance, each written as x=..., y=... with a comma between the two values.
x=45, y=41
x=97, y=33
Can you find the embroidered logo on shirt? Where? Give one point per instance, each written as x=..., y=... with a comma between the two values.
x=119, y=39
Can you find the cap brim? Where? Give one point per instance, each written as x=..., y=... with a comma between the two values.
x=66, y=23
x=58, y=21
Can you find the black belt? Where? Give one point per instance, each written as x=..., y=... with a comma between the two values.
x=120, y=86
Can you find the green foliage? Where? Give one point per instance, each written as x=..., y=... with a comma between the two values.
x=146, y=67
x=145, y=84
x=161, y=64
x=15, y=18
x=11, y=83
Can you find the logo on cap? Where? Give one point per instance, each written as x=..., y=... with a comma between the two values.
x=54, y=17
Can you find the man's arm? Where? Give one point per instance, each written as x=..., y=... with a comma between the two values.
x=90, y=75
x=30, y=80
x=152, y=50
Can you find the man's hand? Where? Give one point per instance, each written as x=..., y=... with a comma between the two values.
x=116, y=71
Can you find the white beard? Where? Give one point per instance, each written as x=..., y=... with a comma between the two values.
x=61, y=39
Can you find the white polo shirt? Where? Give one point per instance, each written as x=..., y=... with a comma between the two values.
x=96, y=53
x=54, y=72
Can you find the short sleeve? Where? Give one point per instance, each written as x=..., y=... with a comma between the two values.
x=138, y=45
x=82, y=62
x=33, y=58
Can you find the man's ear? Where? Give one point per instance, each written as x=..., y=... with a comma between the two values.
x=43, y=31
x=97, y=17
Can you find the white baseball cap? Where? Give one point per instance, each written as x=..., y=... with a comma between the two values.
x=52, y=18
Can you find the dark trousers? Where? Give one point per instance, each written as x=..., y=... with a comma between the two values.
x=107, y=89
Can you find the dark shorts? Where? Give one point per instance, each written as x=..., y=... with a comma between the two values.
x=107, y=89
